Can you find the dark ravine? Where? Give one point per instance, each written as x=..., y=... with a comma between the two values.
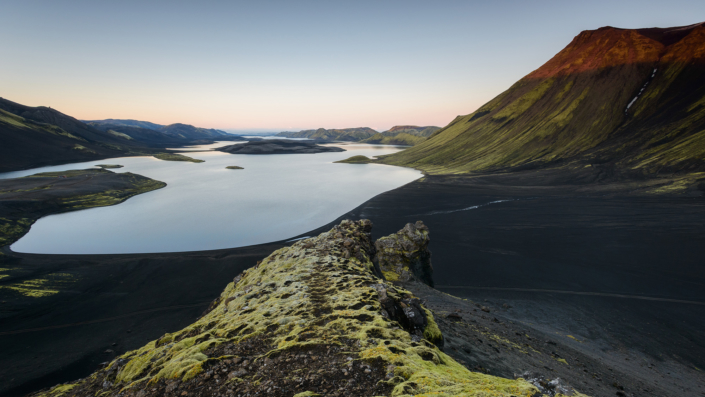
x=278, y=146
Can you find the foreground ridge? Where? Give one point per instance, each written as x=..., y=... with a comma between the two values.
x=311, y=319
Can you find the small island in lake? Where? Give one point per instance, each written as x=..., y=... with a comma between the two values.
x=356, y=160
x=277, y=146
x=177, y=157
x=234, y=167
x=107, y=166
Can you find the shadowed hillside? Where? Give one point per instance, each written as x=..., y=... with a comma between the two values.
x=156, y=134
x=37, y=136
x=629, y=102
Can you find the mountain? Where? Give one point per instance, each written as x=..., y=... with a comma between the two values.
x=398, y=135
x=125, y=123
x=626, y=101
x=344, y=134
x=411, y=130
x=402, y=135
x=38, y=136
x=156, y=134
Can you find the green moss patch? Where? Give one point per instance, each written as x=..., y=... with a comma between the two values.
x=311, y=318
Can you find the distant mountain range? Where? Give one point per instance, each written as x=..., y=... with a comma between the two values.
x=398, y=135
x=626, y=101
x=157, y=134
x=39, y=136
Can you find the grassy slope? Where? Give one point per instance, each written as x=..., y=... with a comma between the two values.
x=401, y=138
x=573, y=108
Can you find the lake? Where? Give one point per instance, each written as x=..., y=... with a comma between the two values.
x=205, y=206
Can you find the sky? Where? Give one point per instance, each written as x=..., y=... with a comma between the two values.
x=274, y=66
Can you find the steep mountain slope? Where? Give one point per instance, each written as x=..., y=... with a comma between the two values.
x=37, y=136
x=403, y=135
x=631, y=102
x=344, y=134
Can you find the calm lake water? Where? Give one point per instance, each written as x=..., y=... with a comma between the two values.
x=206, y=206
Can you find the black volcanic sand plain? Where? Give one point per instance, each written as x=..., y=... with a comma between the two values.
x=606, y=276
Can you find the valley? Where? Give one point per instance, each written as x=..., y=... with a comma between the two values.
x=549, y=243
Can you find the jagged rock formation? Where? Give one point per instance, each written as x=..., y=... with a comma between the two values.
x=310, y=319
x=624, y=101
x=404, y=256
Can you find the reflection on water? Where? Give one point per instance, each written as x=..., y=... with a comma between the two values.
x=206, y=206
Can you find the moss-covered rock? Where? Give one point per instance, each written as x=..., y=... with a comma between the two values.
x=312, y=318
x=404, y=255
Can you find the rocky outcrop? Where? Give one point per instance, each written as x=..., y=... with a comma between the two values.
x=404, y=255
x=277, y=146
x=310, y=319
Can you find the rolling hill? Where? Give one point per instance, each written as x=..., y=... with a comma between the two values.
x=628, y=101
x=322, y=134
x=398, y=135
x=39, y=136
x=403, y=135
x=157, y=134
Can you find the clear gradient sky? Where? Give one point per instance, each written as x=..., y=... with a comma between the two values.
x=292, y=65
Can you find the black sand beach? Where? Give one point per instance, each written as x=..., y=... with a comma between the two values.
x=619, y=271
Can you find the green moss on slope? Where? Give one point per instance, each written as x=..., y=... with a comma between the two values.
x=612, y=97
x=308, y=317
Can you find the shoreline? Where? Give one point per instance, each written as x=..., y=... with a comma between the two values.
x=546, y=236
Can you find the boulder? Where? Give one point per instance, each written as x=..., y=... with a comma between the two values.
x=404, y=255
